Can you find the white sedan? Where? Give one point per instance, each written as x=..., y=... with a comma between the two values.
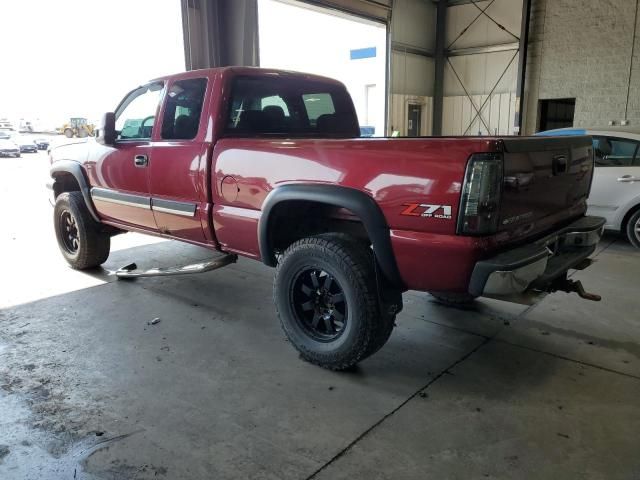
x=615, y=192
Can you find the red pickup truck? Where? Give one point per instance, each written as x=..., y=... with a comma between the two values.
x=269, y=165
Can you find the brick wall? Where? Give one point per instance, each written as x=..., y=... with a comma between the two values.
x=582, y=49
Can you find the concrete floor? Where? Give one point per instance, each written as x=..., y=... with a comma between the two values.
x=90, y=390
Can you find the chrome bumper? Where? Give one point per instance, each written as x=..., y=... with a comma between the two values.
x=537, y=265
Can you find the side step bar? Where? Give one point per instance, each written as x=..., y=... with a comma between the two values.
x=131, y=270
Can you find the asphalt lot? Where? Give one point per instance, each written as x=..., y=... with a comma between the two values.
x=90, y=390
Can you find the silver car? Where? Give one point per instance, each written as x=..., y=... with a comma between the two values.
x=9, y=149
x=615, y=192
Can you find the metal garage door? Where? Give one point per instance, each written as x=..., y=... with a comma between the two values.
x=374, y=10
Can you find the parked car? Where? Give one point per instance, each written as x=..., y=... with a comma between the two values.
x=615, y=193
x=26, y=145
x=41, y=143
x=239, y=163
x=5, y=135
x=9, y=149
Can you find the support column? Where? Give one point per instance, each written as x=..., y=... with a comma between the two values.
x=522, y=62
x=219, y=33
x=440, y=60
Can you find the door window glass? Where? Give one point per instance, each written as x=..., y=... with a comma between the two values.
x=615, y=152
x=136, y=114
x=183, y=109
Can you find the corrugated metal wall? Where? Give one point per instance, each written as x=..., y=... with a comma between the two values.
x=482, y=68
x=460, y=117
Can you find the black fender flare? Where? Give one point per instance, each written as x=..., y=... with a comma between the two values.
x=358, y=202
x=73, y=168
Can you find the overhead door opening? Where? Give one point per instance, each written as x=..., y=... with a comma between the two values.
x=299, y=37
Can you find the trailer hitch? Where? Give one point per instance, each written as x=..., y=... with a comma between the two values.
x=567, y=285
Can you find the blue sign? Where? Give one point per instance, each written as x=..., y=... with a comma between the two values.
x=360, y=53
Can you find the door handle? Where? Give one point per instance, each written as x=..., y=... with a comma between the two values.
x=628, y=178
x=141, y=161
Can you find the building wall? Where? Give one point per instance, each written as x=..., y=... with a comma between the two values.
x=582, y=49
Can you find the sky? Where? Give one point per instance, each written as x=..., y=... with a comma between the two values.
x=69, y=58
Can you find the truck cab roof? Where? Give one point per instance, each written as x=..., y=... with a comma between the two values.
x=228, y=72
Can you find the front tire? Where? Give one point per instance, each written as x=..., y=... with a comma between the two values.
x=81, y=242
x=68, y=133
x=633, y=229
x=326, y=298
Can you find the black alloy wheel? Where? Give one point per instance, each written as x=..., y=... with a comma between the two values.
x=69, y=229
x=319, y=304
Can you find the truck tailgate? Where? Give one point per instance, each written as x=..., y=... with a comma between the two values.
x=546, y=183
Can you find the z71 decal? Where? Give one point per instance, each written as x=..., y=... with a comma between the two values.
x=426, y=210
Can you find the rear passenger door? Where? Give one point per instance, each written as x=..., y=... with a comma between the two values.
x=177, y=172
x=616, y=179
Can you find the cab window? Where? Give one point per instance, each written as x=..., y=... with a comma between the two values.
x=316, y=105
x=183, y=109
x=290, y=107
x=136, y=114
x=615, y=152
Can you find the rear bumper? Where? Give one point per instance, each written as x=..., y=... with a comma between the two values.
x=537, y=265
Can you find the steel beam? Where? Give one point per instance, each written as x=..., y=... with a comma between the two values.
x=502, y=47
x=440, y=60
x=412, y=49
x=522, y=61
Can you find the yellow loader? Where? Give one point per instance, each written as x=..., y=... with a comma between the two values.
x=77, y=127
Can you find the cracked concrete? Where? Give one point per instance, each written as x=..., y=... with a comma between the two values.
x=90, y=390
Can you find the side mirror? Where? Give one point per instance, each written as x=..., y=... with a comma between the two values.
x=106, y=133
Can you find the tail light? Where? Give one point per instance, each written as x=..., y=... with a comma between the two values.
x=481, y=195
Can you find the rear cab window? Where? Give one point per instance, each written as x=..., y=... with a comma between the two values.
x=290, y=107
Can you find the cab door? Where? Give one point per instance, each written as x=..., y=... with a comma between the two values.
x=120, y=173
x=177, y=172
x=616, y=178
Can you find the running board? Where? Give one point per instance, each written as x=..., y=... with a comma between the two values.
x=131, y=270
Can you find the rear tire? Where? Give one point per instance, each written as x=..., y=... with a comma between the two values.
x=326, y=298
x=81, y=242
x=68, y=133
x=454, y=299
x=633, y=229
